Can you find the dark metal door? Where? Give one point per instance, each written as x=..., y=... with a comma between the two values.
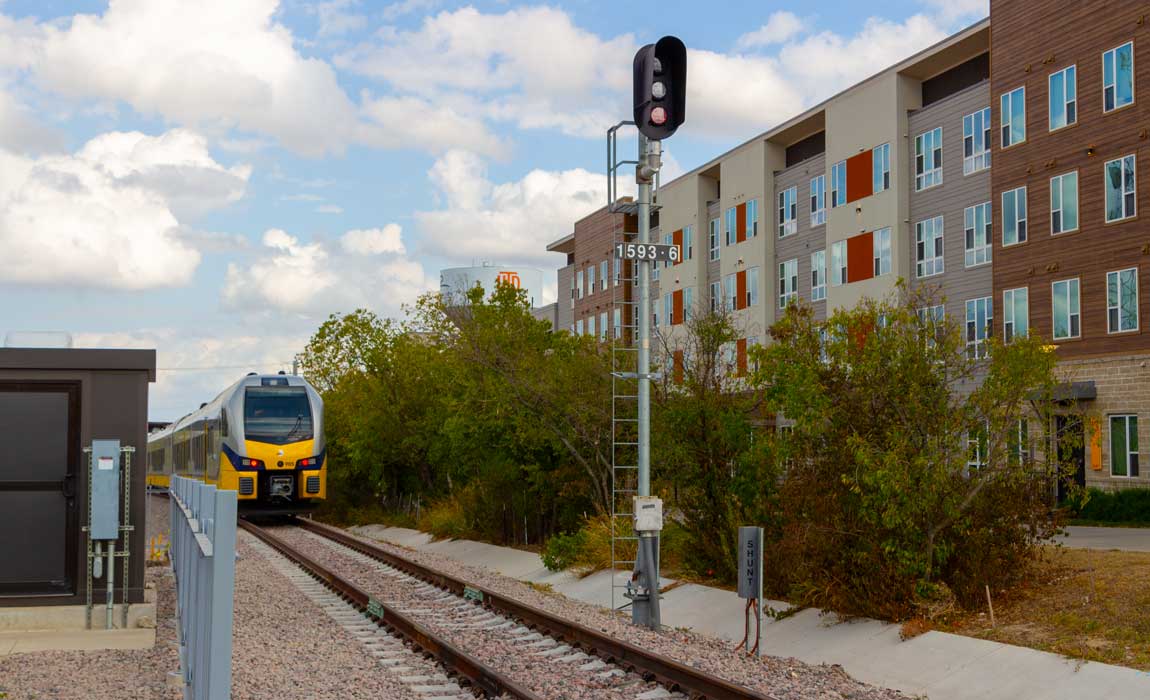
x=39, y=460
x=1071, y=453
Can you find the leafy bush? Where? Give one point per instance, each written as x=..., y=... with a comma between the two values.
x=563, y=550
x=446, y=518
x=1125, y=506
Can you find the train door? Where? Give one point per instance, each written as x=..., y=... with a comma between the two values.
x=39, y=516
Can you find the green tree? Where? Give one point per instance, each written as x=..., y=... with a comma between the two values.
x=914, y=466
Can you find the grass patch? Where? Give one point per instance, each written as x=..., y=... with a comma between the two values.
x=1084, y=604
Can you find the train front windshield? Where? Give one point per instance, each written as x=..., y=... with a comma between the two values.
x=277, y=415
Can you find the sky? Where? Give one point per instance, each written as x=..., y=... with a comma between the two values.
x=213, y=179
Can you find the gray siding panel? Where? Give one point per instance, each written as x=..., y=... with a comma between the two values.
x=807, y=239
x=565, y=314
x=950, y=200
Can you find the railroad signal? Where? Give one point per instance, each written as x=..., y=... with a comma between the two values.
x=660, y=87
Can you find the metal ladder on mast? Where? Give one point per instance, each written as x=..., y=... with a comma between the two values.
x=624, y=381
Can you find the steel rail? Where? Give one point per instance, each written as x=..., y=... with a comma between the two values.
x=652, y=666
x=455, y=660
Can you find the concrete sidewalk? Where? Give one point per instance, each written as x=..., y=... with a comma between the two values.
x=939, y=665
x=1129, y=539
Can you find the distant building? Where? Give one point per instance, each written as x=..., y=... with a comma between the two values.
x=456, y=281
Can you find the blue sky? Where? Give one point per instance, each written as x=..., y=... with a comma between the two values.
x=213, y=179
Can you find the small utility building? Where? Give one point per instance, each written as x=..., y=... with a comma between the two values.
x=53, y=403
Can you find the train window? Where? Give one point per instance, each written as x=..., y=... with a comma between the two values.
x=277, y=415
x=223, y=422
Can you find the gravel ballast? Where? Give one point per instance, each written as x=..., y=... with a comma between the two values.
x=781, y=678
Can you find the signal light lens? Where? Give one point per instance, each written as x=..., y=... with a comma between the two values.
x=254, y=463
x=656, y=65
x=658, y=116
x=307, y=462
x=658, y=90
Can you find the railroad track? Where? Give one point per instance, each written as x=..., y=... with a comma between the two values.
x=473, y=672
x=572, y=643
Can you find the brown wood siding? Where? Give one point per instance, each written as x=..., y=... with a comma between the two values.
x=1028, y=42
x=860, y=176
x=594, y=242
x=860, y=257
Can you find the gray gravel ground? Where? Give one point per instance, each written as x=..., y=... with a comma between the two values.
x=783, y=678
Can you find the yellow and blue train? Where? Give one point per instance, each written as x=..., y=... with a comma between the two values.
x=262, y=437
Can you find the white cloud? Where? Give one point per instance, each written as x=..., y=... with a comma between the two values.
x=336, y=18
x=110, y=215
x=193, y=367
x=398, y=9
x=950, y=11
x=374, y=241
x=407, y=121
x=510, y=222
x=362, y=269
x=329, y=209
x=780, y=26
x=535, y=68
x=532, y=66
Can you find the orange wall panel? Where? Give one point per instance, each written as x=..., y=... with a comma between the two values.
x=676, y=307
x=860, y=177
x=677, y=239
x=741, y=223
x=860, y=257
x=741, y=290
x=678, y=369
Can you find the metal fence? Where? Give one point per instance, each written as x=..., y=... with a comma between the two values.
x=203, y=553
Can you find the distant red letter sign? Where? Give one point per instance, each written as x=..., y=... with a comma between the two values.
x=508, y=277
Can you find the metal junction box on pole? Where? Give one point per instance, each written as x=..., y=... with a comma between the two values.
x=105, y=490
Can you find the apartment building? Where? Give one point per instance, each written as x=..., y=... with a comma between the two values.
x=1072, y=255
x=999, y=176
x=593, y=280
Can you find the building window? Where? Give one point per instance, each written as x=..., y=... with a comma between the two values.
x=604, y=279
x=1014, y=216
x=603, y=326
x=688, y=303
x=1124, y=445
x=689, y=242
x=591, y=325
x=716, y=296
x=713, y=239
x=590, y=280
x=976, y=141
x=976, y=226
x=1013, y=113
x=839, y=184
x=979, y=317
x=732, y=222
x=1064, y=203
x=1065, y=309
x=1063, y=98
x=788, y=281
x=618, y=271
x=788, y=211
x=977, y=446
x=668, y=309
x=819, y=200
x=731, y=282
x=752, y=286
x=1118, y=77
x=932, y=314
x=881, y=241
x=617, y=318
x=838, y=263
x=1015, y=313
x=1122, y=300
x=880, y=164
x=928, y=247
x=818, y=275
x=579, y=283
x=928, y=159
x=1120, y=189
x=752, y=218
x=579, y=327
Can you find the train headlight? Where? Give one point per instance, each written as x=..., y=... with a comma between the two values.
x=308, y=463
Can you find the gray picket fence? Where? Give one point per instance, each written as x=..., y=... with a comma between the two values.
x=203, y=553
